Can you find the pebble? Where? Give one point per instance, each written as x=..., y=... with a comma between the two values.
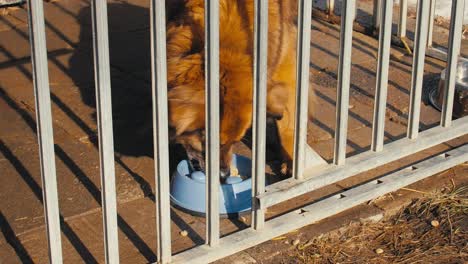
x=379, y=251
x=184, y=233
x=435, y=223
x=296, y=242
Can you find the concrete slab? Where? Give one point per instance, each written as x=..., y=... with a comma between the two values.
x=8, y=21
x=14, y=43
x=77, y=171
x=82, y=235
x=12, y=251
x=65, y=67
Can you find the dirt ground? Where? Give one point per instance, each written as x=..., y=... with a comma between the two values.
x=432, y=229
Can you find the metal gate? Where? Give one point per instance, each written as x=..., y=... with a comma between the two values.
x=305, y=178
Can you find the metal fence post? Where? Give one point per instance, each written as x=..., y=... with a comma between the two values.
x=104, y=117
x=402, y=18
x=417, y=71
x=331, y=7
x=431, y=23
x=376, y=14
x=344, y=71
x=385, y=34
x=160, y=128
x=302, y=86
x=45, y=132
x=456, y=26
x=259, y=108
x=212, y=120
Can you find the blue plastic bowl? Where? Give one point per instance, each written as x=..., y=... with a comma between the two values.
x=235, y=196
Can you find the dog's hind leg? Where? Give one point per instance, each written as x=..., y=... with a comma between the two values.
x=285, y=127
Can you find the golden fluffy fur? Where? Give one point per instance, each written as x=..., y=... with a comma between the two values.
x=185, y=54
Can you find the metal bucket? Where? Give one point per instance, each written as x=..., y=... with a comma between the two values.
x=460, y=103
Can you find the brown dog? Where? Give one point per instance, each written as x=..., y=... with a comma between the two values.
x=185, y=54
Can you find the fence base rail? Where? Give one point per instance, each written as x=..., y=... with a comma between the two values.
x=327, y=207
x=315, y=178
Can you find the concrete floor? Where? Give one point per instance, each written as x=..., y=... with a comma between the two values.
x=72, y=93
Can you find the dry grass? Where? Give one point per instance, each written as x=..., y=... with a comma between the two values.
x=432, y=229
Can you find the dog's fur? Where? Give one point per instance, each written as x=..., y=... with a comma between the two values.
x=186, y=76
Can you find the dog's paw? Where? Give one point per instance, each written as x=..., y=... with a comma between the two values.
x=283, y=169
x=286, y=169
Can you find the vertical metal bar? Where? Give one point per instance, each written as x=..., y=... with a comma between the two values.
x=402, y=18
x=376, y=14
x=344, y=71
x=331, y=7
x=431, y=23
x=212, y=120
x=418, y=67
x=104, y=118
x=385, y=34
x=160, y=128
x=302, y=86
x=259, y=108
x=45, y=133
x=456, y=25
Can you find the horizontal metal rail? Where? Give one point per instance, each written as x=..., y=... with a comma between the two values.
x=440, y=54
x=326, y=207
x=284, y=190
x=431, y=51
x=437, y=53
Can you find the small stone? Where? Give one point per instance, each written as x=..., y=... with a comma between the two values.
x=243, y=219
x=379, y=251
x=351, y=106
x=184, y=233
x=286, y=242
x=296, y=242
x=435, y=223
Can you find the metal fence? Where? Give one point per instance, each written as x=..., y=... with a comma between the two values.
x=431, y=51
x=305, y=178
